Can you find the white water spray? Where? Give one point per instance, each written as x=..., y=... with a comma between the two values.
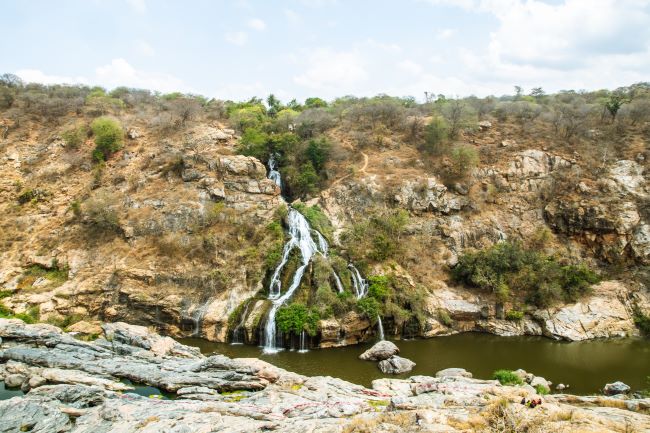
x=358, y=282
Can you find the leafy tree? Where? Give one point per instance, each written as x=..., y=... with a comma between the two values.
x=274, y=105
x=315, y=103
x=109, y=137
x=318, y=152
x=614, y=103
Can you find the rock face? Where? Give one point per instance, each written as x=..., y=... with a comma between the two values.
x=380, y=351
x=396, y=365
x=616, y=388
x=73, y=384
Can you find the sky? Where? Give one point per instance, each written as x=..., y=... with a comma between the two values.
x=328, y=48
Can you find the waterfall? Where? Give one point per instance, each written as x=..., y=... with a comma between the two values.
x=337, y=280
x=237, y=333
x=360, y=285
x=197, y=317
x=303, y=342
x=380, y=327
x=322, y=243
x=274, y=174
x=300, y=237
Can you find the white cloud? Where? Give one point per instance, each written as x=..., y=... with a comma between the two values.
x=236, y=38
x=38, y=76
x=139, y=6
x=143, y=48
x=117, y=73
x=327, y=68
x=256, y=24
x=120, y=73
x=410, y=66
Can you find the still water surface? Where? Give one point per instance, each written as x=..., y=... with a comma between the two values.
x=586, y=366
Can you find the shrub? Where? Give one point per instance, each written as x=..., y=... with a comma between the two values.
x=463, y=159
x=444, y=318
x=507, y=377
x=378, y=287
x=32, y=196
x=514, y=315
x=541, y=389
x=436, y=135
x=642, y=321
x=100, y=214
x=74, y=137
x=507, y=267
x=109, y=137
x=296, y=318
x=369, y=307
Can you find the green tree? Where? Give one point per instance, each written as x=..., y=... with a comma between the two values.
x=315, y=103
x=436, y=134
x=463, y=159
x=109, y=137
x=318, y=152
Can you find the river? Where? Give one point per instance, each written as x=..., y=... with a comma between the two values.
x=586, y=366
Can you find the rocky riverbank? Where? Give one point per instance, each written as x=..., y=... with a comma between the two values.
x=77, y=386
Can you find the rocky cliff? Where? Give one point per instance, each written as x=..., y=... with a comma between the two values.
x=179, y=231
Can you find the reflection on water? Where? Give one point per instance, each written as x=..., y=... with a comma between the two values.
x=586, y=366
x=6, y=394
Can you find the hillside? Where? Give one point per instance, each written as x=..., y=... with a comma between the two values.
x=177, y=226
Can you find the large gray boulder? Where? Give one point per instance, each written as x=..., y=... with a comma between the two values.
x=615, y=388
x=396, y=365
x=380, y=351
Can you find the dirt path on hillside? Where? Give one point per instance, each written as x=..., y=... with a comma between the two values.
x=362, y=170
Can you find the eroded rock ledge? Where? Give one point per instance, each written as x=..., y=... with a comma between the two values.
x=73, y=386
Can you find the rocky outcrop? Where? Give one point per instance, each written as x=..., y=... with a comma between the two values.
x=616, y=388
x=380, y=351
x=396, y=365
x=606, y=313
x=217, y=393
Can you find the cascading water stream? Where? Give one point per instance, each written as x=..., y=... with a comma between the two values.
x=303, y=342
x=197, y=317
x=358, y=282
x=380, y=327
x=337, y=280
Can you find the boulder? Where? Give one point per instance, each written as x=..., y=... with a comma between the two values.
x=616, y=388
x=134, y=133
x=380, y=351
x=14, y=380
x=453, y=372
x=86, y=328
x=396, y=365
x=508, y=143
x=484, y=125
x=540, y=382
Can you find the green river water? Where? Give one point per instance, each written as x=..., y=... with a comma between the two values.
x=586, y=366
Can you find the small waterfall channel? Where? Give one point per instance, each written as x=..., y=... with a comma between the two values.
x=301, y=236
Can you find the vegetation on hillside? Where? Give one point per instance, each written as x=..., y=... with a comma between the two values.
x=507, y=269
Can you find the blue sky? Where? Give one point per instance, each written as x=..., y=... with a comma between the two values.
x=329, y=48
